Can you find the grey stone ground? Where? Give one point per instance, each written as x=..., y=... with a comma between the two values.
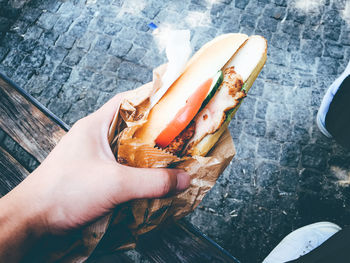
x=74, y=55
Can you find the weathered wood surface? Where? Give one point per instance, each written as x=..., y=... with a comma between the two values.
x=38, y=131
x=11, y=172
x=181, y=242
x=26, y=123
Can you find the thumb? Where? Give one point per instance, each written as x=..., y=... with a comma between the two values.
x=154, y=182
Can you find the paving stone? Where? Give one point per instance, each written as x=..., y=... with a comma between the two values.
x=3, y=52
x=297, y=15
x=246, y=110
x=37, y=84
x=302, y=61
x=102, y=44
x=86, y=41
x=290, y=155
x=280, y=40
x=120, y=47
x=62, y=24
x=127, y=71
x=93, y=61
x=289, y=180
x=10, y=40
x=311, y=180
x=273, y=92
x=312, y=47
x=144, y=40
x=47, y=20
x=272, y=11
x=152, y=9
x=13, y=58
x=267, y=174
x=48, y=38
x=27, y=45
x=112, y=29
x=267, y=25
x=33, y=60
x=327, y=66
x=280, y=2
x=256, y=128
x=291, y=28
x=33, y=32
x=248, y=149
x=331, y=32
x=112, y=64
x=248, y=20
x=311, y=33
x=65, y=41
x=313, y=156
x=81, y=75
x=241, y=4
x=104, y=82
x=136, y=54
x=30, y=14
x=279, y=130
x=277, y=112
x=333, y=50
x=261, y=108
x=257, y=89
x=79, y=27
x=56, y=53
x=269, y=149
x=345, y=38
x=61, y=73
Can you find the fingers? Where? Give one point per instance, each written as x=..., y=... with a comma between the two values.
x=155, y=182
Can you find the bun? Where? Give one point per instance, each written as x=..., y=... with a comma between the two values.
x=203, y=65
x=248, y=62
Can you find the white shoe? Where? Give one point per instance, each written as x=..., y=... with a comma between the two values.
x=301, y=242
x=327, y=99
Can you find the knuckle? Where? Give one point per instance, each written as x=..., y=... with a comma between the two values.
x=165, y=185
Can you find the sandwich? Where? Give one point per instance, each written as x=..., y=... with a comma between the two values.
x=197, y=108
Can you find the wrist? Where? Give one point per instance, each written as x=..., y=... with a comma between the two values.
x=20, y=213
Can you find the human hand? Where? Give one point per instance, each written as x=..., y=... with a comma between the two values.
x=81, y=181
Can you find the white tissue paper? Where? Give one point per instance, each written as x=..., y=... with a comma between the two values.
x=178, y=51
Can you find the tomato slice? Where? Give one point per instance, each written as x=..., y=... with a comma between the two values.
x=184, y=115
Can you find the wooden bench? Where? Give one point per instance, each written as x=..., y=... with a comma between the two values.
x=36, y=131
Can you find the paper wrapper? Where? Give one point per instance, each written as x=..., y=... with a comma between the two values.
x=140, y=216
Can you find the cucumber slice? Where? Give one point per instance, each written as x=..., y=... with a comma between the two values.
x=217, y=80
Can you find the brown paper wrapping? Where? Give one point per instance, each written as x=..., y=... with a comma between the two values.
x=120, y=229
x=145, y=215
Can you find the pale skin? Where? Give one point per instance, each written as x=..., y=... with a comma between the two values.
x=78, y=182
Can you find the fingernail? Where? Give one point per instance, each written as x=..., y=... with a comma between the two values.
x=183, y=181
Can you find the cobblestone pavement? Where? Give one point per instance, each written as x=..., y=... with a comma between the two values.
x=74, y=55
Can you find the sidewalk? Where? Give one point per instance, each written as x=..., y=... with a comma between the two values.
x=74, y=55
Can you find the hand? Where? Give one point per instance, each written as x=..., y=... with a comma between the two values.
x=81, y=181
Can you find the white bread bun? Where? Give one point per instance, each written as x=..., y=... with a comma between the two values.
x=248, y=62
x=203, y=65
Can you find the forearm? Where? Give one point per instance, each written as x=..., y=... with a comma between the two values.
x=17, y=228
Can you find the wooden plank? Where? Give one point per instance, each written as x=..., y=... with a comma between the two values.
x=183, y=243
x=11, y=172
x=27, y=123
